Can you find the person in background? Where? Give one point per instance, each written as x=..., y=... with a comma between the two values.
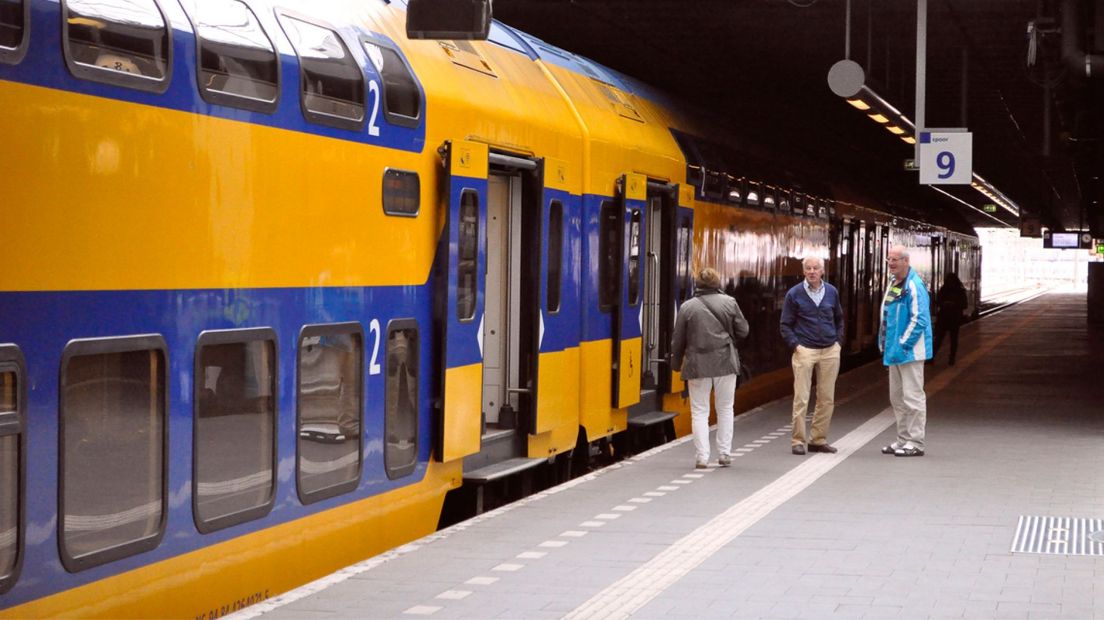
x=905, y=340
x=703, y=349
x=950, y=306
x=812, y=325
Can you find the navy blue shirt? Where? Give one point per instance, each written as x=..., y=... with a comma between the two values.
x=809, y=325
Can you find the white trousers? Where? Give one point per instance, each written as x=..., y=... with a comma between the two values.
x=724, y=394
x=910, y=404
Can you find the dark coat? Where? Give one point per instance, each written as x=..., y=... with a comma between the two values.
x=702, y=347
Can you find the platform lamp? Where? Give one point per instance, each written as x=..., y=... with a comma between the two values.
x=847, y=79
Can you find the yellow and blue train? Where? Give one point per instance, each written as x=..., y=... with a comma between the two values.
x=275, y=281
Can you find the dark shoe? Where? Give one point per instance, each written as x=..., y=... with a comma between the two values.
x=909, y=452
x=822, y=447
x=799, y=449
x=724, y=460
x=891, y=448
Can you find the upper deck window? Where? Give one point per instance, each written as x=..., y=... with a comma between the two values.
x=332, y=83
x=402, y=101
x=237, y=62
x=13, y=29
x=123, y=42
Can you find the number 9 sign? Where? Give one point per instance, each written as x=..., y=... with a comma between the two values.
x=946, y=157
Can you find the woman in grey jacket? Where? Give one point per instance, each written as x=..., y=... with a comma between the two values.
x=704, y=350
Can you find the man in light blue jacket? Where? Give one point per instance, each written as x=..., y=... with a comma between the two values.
x=905, y=340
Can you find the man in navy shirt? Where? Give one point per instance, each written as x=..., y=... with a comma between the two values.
x=812, y=325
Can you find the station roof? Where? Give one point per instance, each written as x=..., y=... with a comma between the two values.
x=764, y=65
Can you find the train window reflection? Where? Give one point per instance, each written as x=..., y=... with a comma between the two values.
x=609, y=258
x=112, y=442
x=467, y=254
x=634, y=257
x=13, y=29
x=124, y=42
x=332, y=85
x=402, y=101
x=235, y=427
x=555, y=254
x=237, y=62
x=753, y=195
x=11, y=466
x=330, y=397
x=401, y=408
x=401, y=192
x=683, y=261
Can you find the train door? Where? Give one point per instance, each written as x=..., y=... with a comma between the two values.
x=660, y=269
x=684, y=239
x=628, y=363
x=460, y=299
x=510, y=332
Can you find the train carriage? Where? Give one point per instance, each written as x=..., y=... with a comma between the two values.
x=285, y=289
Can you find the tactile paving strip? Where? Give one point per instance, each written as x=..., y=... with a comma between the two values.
x=1059, y=536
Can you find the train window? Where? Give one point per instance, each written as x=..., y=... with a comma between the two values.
x=797, y=203
x=555, y=254
x=14, y=20
x=112, y=441
x=754, y=195
x=466, y=276
x=127, y=44
x=684, y=260
x=237, y=62
x=401, y=192
x=12, y=461
x=785, y=201
x=401, y=404
x=330, y=400
x=735, y=191
x=609, y=256
x=769, y=200
x=402, y=100
x=332, y=84
x=234, y=477
x=634, y=257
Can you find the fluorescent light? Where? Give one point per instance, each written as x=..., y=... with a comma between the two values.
x=878, y=118
x=859, y=103
x=895, y=130
x=909, y=139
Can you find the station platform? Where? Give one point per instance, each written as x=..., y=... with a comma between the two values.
x=1001, y=519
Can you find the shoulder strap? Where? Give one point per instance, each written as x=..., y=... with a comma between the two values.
x=717, y=316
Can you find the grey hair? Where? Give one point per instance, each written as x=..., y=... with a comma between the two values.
x=807, y=259
x=901, y=250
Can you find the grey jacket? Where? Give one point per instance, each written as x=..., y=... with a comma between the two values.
x=702, y=347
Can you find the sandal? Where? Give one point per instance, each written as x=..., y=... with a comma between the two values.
x=891, y=448
x=909, y=452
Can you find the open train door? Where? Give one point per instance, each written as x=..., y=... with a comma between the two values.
x=660, y=288
x=459, y=300
x=628, y=362
x=681, y=276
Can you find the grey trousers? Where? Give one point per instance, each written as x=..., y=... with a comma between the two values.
x=910, y=406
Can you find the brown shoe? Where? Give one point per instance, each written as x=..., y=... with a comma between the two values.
x=822, y=447
x=799, y=449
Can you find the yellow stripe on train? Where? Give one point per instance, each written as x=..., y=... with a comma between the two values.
x=228, y=576
x=153, y=198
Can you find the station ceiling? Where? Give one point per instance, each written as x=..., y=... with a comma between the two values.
x=763, y=64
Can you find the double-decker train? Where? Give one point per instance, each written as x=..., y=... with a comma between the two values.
x=277, y=281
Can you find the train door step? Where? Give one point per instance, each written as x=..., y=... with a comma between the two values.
x=501, y=469
x=651, y=418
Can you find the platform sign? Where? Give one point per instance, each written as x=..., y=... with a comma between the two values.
x=989, y=207
x=1031, y=227
x=946, y=157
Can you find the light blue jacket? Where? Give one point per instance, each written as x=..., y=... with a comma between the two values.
x=906, y=330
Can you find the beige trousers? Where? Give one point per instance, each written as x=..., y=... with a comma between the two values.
x=826, y=362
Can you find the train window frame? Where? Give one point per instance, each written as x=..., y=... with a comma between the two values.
x=227, y=98
x=407, y=73
x=389, y=196
x=283, y=16
x=609, y=258
x=785, y=201
x=635, y=259
x=471, y=267
x=753, y=195
x=224, y=337
x=97, y=347
x=14, y=55
x=769, y=198
x=555, y=254
x=356, y=330
x=12, y=423
x=125, y=79
x=394, y=325
x=797, y=203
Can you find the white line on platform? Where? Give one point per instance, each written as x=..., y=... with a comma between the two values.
x=422, y=610
x=624, y=508
x=531, y=555
x=507, y=567
x=573, y=534
x=481, y=581
x=454, y=595
x=592, y=524
x=640, y=500
x=607, y=516
x=654, y=494
x=668, y=487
